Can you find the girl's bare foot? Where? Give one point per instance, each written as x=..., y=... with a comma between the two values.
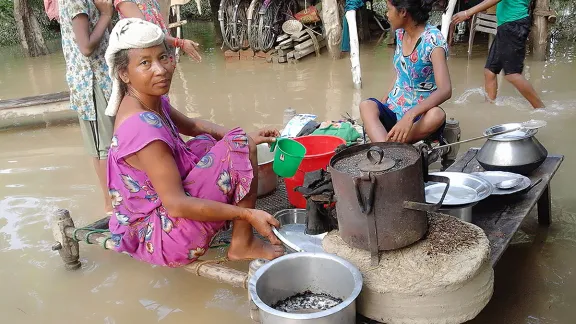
x=254, y=248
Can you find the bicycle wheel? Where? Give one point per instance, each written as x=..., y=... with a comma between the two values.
x=269, y=25
x=226, y=19
x=252, y=18
x=241, y=24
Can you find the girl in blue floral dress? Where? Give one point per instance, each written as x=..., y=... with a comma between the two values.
x=411, y=111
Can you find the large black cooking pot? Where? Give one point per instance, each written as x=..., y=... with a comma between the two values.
x=381, y=209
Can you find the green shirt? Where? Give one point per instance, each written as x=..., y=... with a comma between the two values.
x=511, y=10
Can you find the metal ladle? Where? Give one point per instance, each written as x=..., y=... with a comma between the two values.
x=527, y=125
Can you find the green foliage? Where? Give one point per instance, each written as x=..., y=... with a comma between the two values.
x=8, y=30
x=190, y=10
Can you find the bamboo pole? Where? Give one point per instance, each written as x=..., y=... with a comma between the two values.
x=67, y=245
x=447, y=18
x=354, y=49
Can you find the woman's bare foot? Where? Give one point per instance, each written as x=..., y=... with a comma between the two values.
x=255, y=248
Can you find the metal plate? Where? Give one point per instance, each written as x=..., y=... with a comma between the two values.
x=464, y=189
x=292, y=232
x=515, y=135
x=498, y=176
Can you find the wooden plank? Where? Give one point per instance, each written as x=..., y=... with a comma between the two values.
x=34, y=100
x=500, y=217
x=282, y=59
x=282, y=37
x=290, y=54
x=284, y=51
x=308, y=43
x=300, y=54
x=285, y=42
x=303, y=38
x=299, y=34
x=177, y=24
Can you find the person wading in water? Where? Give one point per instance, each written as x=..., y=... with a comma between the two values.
x=508, y=50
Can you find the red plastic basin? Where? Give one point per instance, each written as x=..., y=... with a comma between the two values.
x=319, y=150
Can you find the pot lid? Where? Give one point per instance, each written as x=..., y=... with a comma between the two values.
x=511, y=136
x=378, y=163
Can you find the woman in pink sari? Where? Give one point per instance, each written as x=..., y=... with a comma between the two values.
x=171, y=197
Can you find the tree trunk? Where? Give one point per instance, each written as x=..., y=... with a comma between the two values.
x=214, y=6
x=332, y=27
x=29, y=29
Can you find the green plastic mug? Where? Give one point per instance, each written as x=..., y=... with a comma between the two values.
x=288, y=156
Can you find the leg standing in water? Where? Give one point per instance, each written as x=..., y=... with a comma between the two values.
x=508, y=50
x=244, y=244
x=84, y=29
x=411, y=111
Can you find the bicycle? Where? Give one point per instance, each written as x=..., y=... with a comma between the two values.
x=232, y=16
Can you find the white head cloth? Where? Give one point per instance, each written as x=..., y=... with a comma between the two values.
x=128, y=33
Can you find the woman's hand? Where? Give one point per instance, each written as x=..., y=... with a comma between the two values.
x=266, y=135
x=191, y=48
x=400, y=132
x=262, y=223
x=460, y=17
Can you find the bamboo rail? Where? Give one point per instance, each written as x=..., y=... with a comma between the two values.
x=67, y=238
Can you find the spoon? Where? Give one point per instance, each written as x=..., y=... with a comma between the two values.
x=508, y=184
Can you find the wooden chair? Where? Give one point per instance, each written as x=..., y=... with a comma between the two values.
x=482, y=22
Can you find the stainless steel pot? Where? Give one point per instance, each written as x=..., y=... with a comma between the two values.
x=267, y=179
x=518, y=151
x=296, y=273
x=463, y=212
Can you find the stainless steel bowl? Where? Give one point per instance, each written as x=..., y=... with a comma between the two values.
x=267, y=179
x=464, y=189
x=296, y=273
x=518, y=151
x=292, y=232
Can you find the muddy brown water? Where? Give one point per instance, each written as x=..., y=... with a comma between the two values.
x=45, y=168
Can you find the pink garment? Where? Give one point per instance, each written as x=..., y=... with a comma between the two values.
x=51, y=8
x=150, y=9
x=218, y=171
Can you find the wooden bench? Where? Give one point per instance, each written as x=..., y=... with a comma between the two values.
x=500, y=217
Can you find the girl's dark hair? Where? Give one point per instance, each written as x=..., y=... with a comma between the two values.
x=419, y=10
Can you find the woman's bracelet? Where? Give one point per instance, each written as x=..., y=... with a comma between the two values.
x=178, y=42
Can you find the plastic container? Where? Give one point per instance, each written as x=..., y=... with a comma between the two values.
x=288, y=157
x=319, y=150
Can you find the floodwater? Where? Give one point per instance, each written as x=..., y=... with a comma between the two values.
x=45, y=168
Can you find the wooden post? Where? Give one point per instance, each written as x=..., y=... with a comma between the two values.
x=354, y=49
x=447, y=18
x=254, y=266
x=332, y=28
x=66, y=246
x=540, y=34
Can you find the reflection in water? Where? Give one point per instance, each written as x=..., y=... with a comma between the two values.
x=45, y=169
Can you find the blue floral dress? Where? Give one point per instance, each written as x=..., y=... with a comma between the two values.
x=414, y=73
